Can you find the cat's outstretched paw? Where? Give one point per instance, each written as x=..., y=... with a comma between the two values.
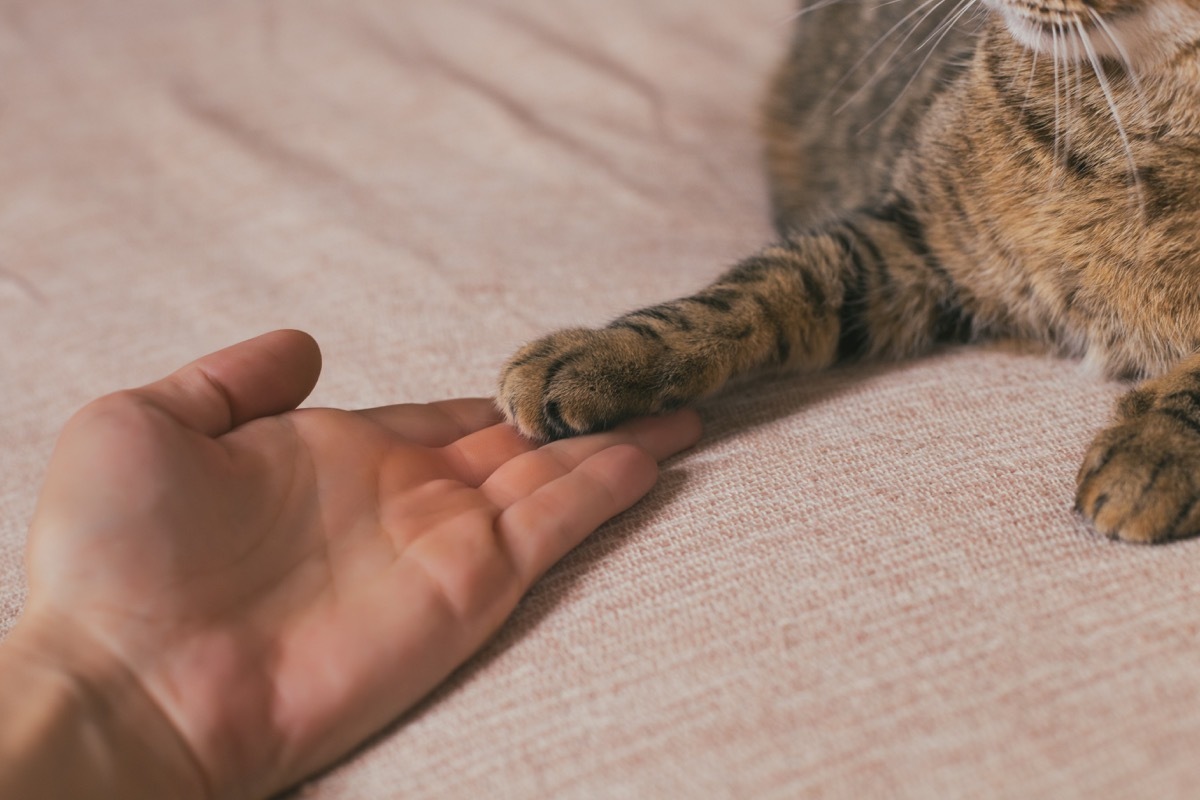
x=1140, y=481
x=579, y=380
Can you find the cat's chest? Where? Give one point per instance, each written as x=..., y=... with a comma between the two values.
x=1114, y=286
x=1078, y=253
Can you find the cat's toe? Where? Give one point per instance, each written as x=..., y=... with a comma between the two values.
x=578, y=381
x=1140, y=482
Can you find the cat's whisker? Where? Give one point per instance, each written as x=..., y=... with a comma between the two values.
x=1029, y=87
x=810, y=9
x=1017, y=76
x=1071, y=59
x=1110, y=98
x=929, y=7
x=956, y=14
x=1122, y=53
x=1062, y=101
x=1033, y=53
x=1055, y=40
x=944, y=27
x=1072, y=93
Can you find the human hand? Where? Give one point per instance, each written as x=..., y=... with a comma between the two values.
x=278, y=584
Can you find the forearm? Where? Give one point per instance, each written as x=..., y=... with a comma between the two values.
x=75, y=724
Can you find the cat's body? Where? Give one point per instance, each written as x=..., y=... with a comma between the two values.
x=990, y=191
x=1042, y=232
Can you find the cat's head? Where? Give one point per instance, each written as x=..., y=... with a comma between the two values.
x=1137, y=32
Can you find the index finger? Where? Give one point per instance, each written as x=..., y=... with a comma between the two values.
x=436, y=424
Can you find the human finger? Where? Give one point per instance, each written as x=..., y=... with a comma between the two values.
x=266, y=375
x=436, y=424
x=661, y=437
x=522, y=475
x=540, y=529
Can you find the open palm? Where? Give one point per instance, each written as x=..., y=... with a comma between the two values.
x=283, y=582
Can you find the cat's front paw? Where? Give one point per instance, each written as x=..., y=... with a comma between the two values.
x=579, y=381
x=1140, y=481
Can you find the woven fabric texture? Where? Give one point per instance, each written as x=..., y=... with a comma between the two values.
x=868, y=583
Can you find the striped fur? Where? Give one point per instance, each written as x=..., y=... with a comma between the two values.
x=991, y=190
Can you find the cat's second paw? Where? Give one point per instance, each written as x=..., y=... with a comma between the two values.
x=579, y=380
x=1140, y=481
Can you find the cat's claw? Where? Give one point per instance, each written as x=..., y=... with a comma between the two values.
x=579, y=381
x=1140, y=481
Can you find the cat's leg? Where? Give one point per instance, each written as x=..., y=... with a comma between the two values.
x=866, y=285
x=1140, y=480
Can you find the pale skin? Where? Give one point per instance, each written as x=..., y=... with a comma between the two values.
x=227, y=594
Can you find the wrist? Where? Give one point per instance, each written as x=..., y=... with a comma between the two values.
x=75, y=722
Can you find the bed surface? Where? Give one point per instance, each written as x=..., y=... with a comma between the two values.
x=863, y=584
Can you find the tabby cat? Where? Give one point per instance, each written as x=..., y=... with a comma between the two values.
x=1026, y=169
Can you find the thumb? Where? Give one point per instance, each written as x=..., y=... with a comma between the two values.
x=266, y=375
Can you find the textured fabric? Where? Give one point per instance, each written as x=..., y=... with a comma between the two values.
x=863, y=584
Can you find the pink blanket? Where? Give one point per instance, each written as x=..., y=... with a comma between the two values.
x=864, y=584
